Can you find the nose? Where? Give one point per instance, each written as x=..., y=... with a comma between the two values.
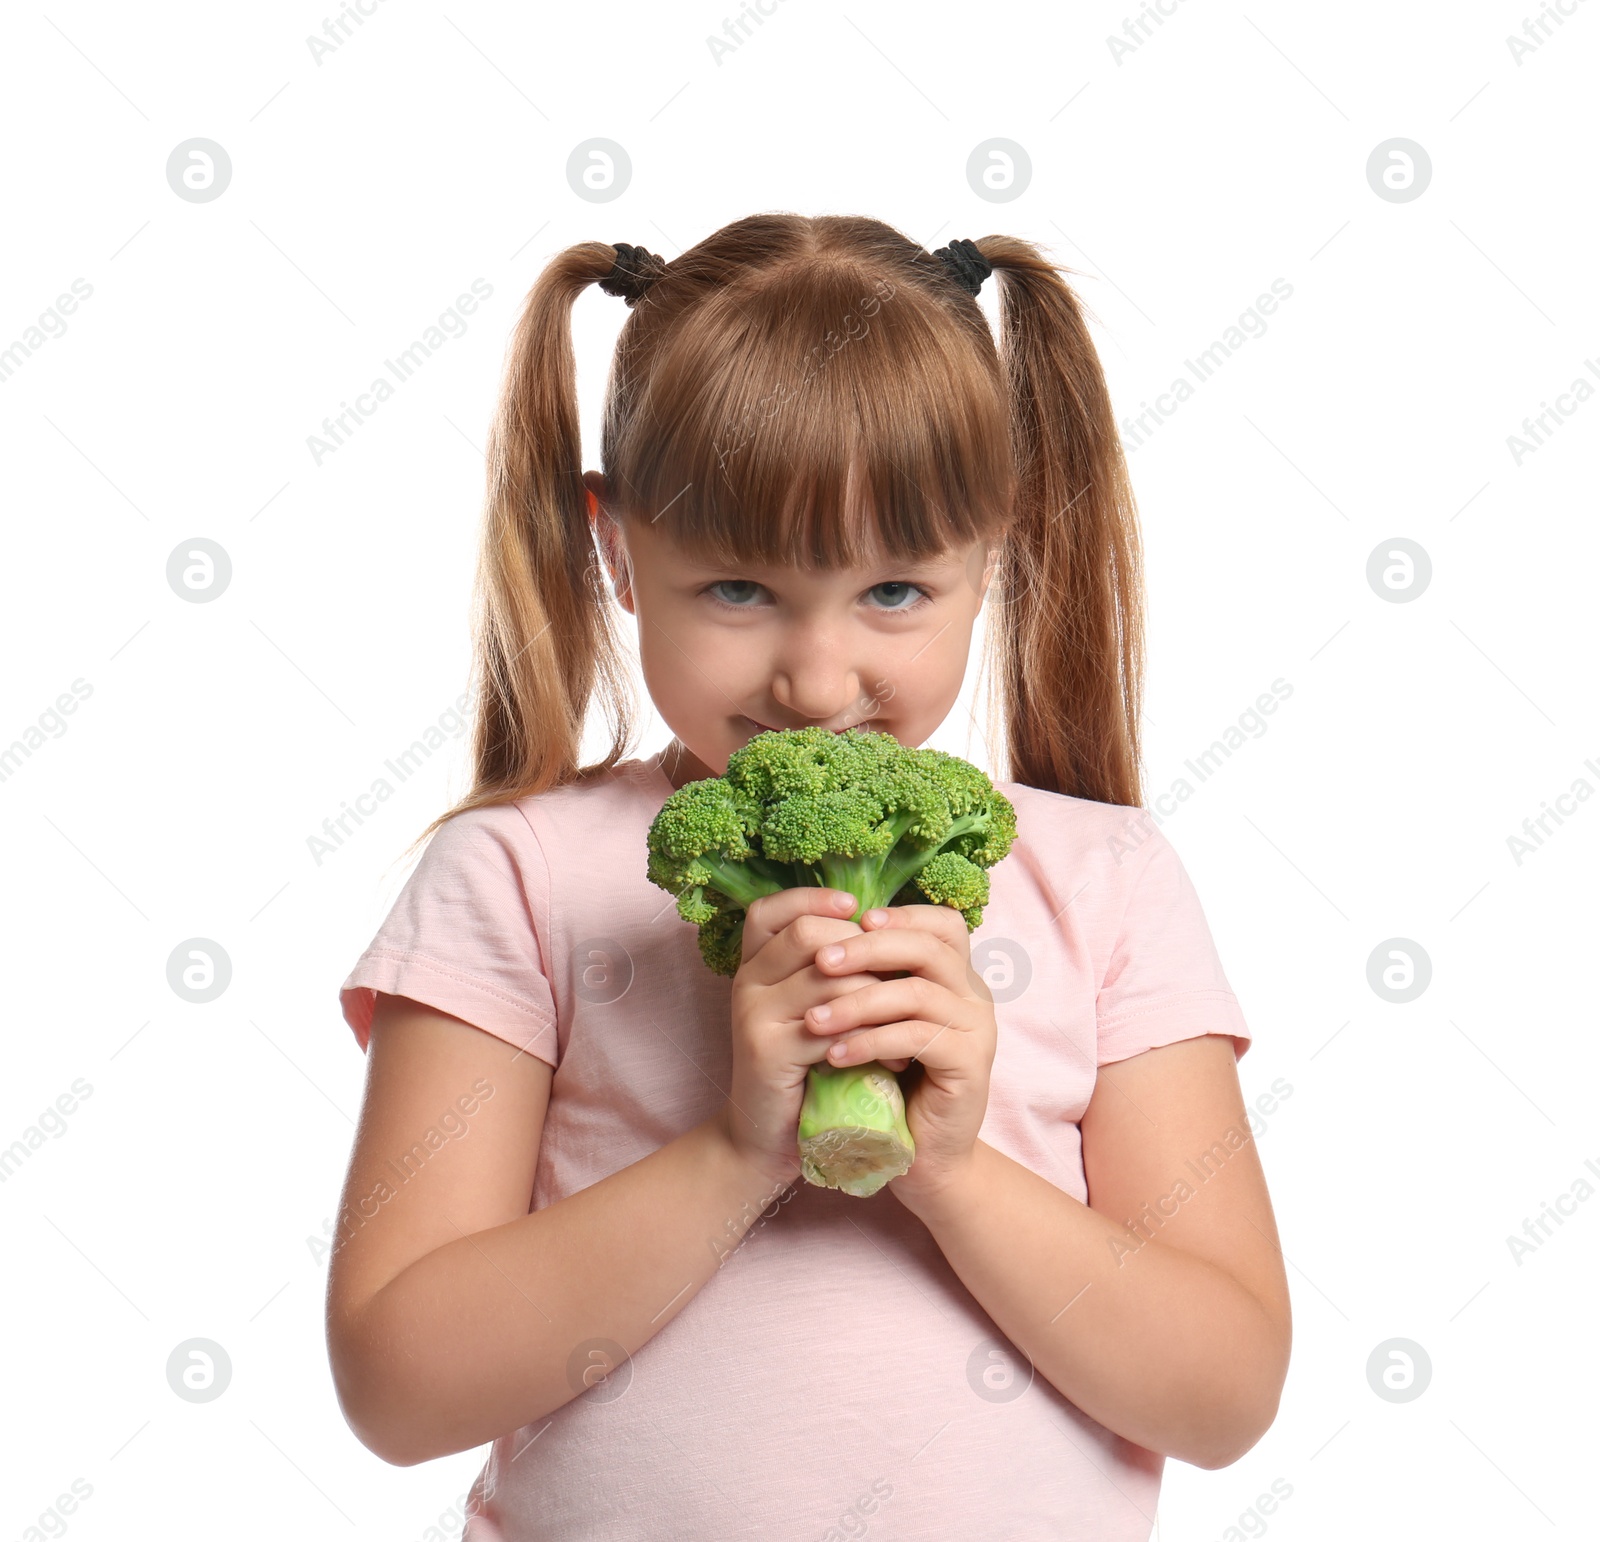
x=813, y=683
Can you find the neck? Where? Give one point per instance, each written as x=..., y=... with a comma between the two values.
x=680, y=765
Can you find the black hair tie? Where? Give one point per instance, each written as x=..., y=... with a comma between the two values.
x=968, y=266
x=632, y=273
x=634, y=269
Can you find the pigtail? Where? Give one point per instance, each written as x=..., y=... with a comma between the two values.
x=1069, y=631
x=546, y=636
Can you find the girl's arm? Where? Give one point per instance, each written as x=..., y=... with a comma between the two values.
x=454, y=1315
x=1161, y=1307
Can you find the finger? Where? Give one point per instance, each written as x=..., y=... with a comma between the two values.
x=769, y=914
x=806, y=988
x=939, y=1046
x=888, y=1001
x=787, y=964
x=894, y=947
x=943, y=921
x=819, y=1055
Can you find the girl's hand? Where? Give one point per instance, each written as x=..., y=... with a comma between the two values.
x=776, y=982
x=940, y=1014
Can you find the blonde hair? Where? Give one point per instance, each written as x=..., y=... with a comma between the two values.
x=778, y=367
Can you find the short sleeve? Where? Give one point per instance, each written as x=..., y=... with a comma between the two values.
x=462, y=935
x=1164, y=981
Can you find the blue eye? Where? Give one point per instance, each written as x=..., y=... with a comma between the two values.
x=922, y=597
x=899, y=583
x=748, y=583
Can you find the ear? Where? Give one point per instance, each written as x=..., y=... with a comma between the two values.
x=608, y=532
x=981, y=565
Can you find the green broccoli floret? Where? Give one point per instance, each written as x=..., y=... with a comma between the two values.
x=856, y=811
x=722, y=939
x=853, y=811
x=954, y=880
x=702, y=839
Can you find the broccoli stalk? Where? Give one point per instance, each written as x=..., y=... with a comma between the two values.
x=853, y=1133
x=877, y=880
x=856, y=811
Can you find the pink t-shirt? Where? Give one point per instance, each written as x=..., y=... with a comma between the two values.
x=834, y=1378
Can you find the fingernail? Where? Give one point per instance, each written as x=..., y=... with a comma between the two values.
x=844, y=902
x=877, y=917
x=821, y=1014
x=831, y=954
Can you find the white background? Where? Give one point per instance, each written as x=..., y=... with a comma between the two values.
x=1227, y=150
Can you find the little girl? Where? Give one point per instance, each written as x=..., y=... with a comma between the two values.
x=573, y=1223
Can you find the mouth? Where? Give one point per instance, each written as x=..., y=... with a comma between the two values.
x=762, y=728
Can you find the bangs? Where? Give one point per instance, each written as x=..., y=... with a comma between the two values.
x=812, y=416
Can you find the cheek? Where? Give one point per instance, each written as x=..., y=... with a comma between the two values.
x=701, y=671
x=921, y=693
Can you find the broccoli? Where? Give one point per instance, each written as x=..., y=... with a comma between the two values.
x=856, y=811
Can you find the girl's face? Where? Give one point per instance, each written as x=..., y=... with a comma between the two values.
x=730, y=651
